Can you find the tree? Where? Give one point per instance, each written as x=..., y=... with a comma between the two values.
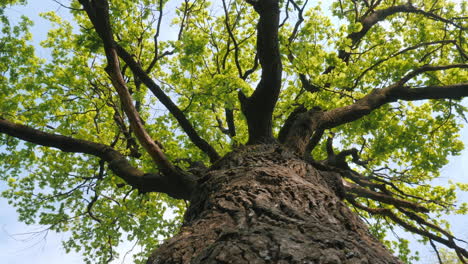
x=268, y=128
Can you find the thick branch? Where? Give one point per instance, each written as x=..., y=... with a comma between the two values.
x=288, y=123
x=393, y=93
x=98, y=13
x=362, y=192
x=377, y=16
x=177, y=186
x=99, y=16
x=299, y=131
x=230, y=122
x=168, y=103
x=258, y=108
x=314, y=140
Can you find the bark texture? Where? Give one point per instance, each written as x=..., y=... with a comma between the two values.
x=263, y=204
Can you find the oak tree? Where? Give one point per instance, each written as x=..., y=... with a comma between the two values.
x=272, y=129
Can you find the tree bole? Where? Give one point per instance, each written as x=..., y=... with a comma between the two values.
x=263, y=204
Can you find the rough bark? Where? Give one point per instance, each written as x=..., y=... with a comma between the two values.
x=263, y=204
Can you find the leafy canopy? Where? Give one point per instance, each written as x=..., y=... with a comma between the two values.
x=202, y=54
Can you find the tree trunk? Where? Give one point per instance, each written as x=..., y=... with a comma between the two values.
x=262, y=204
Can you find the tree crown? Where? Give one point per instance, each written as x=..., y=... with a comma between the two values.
x=137, y=97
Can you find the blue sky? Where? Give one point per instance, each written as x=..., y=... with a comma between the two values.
x=40, y=249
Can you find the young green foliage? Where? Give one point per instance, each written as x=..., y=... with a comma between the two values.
x=202, y=54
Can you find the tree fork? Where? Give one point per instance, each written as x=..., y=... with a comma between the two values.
x=297, y=132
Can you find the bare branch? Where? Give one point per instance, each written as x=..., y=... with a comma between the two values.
x=67, y=7
x=89, y=208
x=248, y=72
x=306, y=84
x=382, y=184
x=300, y=12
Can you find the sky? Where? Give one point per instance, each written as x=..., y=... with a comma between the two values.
x=19, y=245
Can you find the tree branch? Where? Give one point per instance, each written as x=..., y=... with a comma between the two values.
x=98, y=13
x=179, y=185
x=314, y=140
x=156, y=55
x=258, y=108
x=449, y=242
x=377, y=63
x=393, y=93
x=100, y=18
x=299, y=130
x=381, y=14
x=427, y=68
x=169, y=104
x=233, y=38
x=306, y=83
x=388, y=199
x=373, y=17
x=288, y=123
x=229, y=113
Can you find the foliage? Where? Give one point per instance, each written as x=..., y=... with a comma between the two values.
x=199, y=53
x=448, y=257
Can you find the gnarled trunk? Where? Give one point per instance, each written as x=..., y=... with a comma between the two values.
x=262, y=204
